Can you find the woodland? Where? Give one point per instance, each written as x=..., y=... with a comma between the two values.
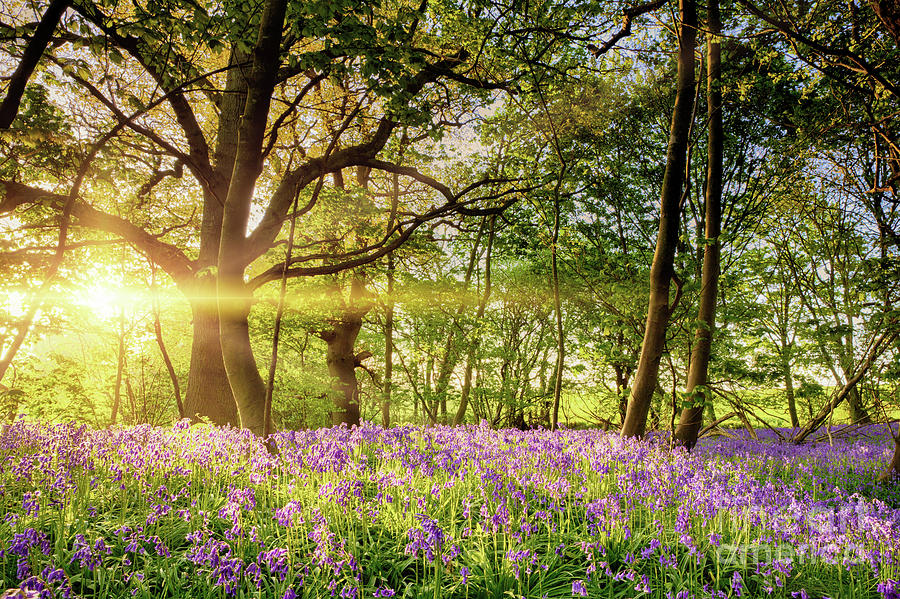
x=603, y=214
x=662, y=234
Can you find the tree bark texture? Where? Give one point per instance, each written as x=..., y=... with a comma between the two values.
x=234, y=296
x=341, y=356
x=662, y=268
x=698, y=393
x=208, y=394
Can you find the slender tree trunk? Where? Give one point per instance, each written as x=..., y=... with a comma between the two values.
x=176, y=387
x=24, y=326
x=428, y=393
x=276, y=333
x=451, y=353
x=789, y=383
x=557, y=308
x=33, y=52
x=132, y=402
x=662, y=268
x=363, y=176
x=388, y=346
x=697, y=391
x=877, y=348
x=120, y=367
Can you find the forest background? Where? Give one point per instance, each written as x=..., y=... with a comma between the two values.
x=449, y=212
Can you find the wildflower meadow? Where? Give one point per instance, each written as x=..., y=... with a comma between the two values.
x=205, y=512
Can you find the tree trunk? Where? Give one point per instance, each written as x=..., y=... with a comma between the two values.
x=711, y=411
x=893, y=470
x=234, y=297
x=208, y=394
x=858, y=412
x=878, y=347
x=697, y=391
x=170, y=368
x=33, y=52
x=431, y=409
x=557, y=308
x=388, y=346
x=789, y=383
x=271, y=445
x=132, y=402
x=341, y=358
x=451, y=352
x=240, y=364
x=662, y=269
x=342, y=365
x=120, y=367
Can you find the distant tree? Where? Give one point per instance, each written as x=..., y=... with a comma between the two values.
x=221, y=99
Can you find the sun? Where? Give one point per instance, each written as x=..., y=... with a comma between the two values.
x=104, y=301
x=109, y=302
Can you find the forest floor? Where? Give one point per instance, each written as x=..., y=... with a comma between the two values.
x=206, y=512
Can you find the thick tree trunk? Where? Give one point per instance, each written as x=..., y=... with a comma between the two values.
x=234, y=297
x=692, y=416
x=341, y=356
x=662, y=269
x=240, y=364
x=888, y=12
x=858, y=412
x=341, y=361
x=208, y=394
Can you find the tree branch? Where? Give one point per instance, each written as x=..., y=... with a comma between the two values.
x=169, y=257
x=628, y=16
x=33, y=52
